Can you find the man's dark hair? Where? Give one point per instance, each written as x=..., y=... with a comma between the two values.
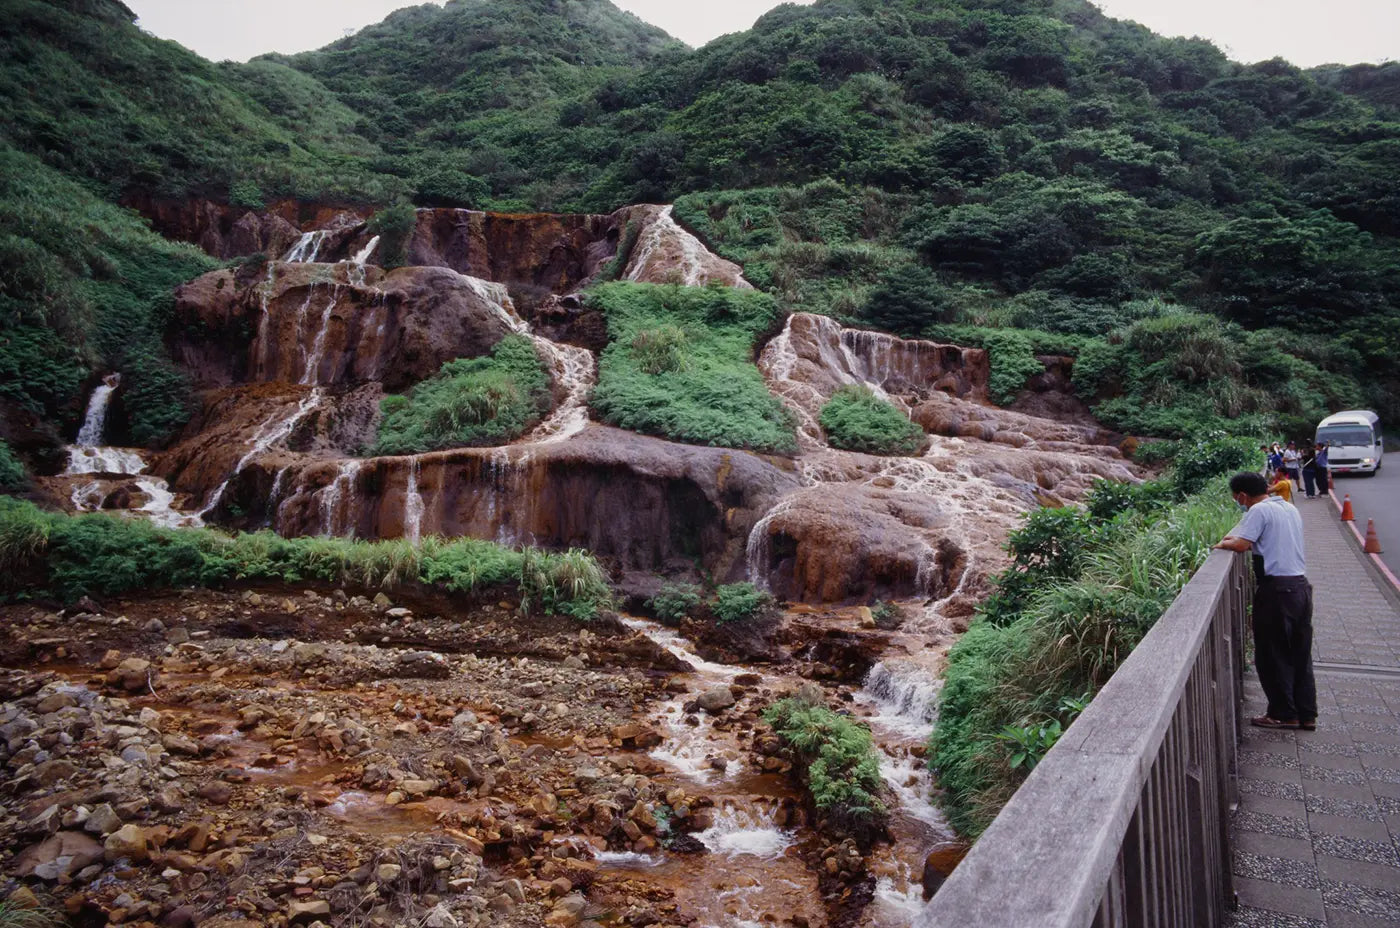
x=1249, y=482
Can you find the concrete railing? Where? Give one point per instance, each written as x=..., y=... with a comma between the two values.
x=1126, y=819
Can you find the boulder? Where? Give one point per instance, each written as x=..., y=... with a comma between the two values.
x=127, y=842
x=715, y=700
x=58, y=856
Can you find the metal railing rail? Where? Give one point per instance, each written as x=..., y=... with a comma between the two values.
x=1125, y=822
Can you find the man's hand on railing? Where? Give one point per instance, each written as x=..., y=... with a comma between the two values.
x=1231, y=543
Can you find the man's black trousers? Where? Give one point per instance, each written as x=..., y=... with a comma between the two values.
x=1283, y=636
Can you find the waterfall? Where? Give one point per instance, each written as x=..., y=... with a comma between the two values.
x=311, y=372
x=759, y=544
x=413, y=505
x=307, y=248
x=272, y=430
x=904, y=698
x=95, y=422
x=362, y=256
x=334, y=494
x=572, y=367
x=662, y=229
x=576, y=369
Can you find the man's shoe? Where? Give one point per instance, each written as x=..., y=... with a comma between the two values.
x=1265, y=721
x=1310, y=725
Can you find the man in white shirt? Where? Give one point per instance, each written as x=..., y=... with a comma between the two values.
x=1272, y=531
x=1291, y=457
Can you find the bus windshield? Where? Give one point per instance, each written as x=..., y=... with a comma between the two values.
x=1345, y=435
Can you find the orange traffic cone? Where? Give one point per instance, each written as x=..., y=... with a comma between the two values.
x=1347, y=515
x=1373, y=541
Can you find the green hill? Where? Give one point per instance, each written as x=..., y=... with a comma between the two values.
x=1214, y=242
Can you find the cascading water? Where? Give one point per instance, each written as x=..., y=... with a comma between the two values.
x=900, y=702
x=413, y=505
x=95, y=421
x=307, y=248
x=90, y=456
x=275, y=428
x=334, y=519
x=576, y=369
x=312, y=370
x=664, y=228
x=690, y=748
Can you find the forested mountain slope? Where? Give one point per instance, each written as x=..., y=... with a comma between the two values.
x=1210, y=240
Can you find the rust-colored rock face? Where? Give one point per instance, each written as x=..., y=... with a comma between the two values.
x=226, y=231
x=552, y=252
x=931, y=526
x=292, y=358
x=646, y=504
x=328, y=324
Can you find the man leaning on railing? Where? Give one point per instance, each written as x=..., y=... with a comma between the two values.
x=1272, y=531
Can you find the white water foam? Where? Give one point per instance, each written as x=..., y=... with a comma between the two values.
x=688, y=748
x=307, y=248
x=332, y=498
x=744, y=830
x=413, y=505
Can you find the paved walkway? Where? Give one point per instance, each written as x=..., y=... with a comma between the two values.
x=1317, y=833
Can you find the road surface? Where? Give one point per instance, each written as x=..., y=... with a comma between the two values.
x=1376, y=498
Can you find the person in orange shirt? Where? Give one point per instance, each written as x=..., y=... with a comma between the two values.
x=1283, y=487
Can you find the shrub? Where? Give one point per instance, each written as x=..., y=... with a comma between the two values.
x=469, y=401
x=675, y=602
x=717, y=396
x=246, y=193
x=907, y=299
x=68, y=557
x=571, y=584
x=1012, y=682
x=839, y=765
x=740, y=602
x=660, y=350
x=11, y=469
x=857, y=420
x=394, y=225
x=1197, y=463
x=887, y=616
x=1012, y=364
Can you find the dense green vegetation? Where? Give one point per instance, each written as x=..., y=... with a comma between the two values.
x=470, y=401
x=1083, y=588
x=679, y=364
x=858, y=420
x=67, y=557
x=1211, y=240
x=97, y=98
x=837, y=763
x=85, y=289
x=11, y=469
x=731, y=602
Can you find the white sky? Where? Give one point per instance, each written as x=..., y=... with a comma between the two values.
x=1306, y=32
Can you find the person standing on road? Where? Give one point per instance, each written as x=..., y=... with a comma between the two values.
x=1272, y=531
x=1290, y=463
x=1324, y=474
x=1308, y=459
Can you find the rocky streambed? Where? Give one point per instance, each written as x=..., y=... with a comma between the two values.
x=289, y=757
